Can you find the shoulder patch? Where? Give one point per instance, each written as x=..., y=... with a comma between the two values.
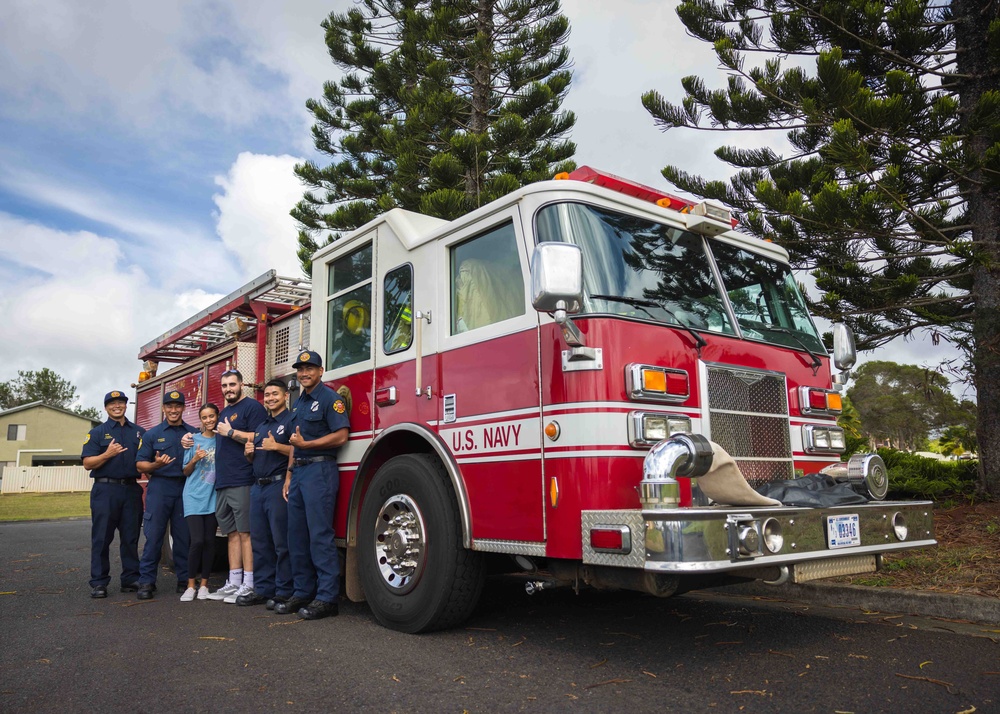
x=338, y=406
x=86, y=439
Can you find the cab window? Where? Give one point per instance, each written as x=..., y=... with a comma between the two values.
x=348, y=309
x=487, y=285
x=397, y=317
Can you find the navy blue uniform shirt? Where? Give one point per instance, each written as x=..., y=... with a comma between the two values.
x=99, y=438
x=318, y=414
x=231, y=465
x=271, y=463
x=165, y=439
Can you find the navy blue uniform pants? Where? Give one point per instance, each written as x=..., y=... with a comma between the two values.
x=272, y=570
x=114, y=506
x=164, y=504
x=315, y=563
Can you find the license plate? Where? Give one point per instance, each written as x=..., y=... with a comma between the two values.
x=843, y=531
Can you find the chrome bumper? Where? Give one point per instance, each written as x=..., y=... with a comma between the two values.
x=726, y=539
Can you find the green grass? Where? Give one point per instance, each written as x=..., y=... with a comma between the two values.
x=43, y=506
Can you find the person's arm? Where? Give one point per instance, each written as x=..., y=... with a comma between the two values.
x=94, y=462
x=150, y=466
x=248, y=450
x=330, y=441
x=269, y=443
x=191, y=458
x=288, y=473
x=240, y=437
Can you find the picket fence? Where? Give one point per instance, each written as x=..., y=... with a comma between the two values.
x=45, y=479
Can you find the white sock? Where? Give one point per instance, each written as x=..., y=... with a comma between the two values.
x=248, y=578
x=236, y=576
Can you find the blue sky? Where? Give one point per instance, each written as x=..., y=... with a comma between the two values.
x=146, y=154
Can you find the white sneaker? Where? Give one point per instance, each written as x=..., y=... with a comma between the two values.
x=244, y=590
x=224, y=592
x=203, y=593
x=188, y=595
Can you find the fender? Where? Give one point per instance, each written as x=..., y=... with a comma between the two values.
x=378, y=452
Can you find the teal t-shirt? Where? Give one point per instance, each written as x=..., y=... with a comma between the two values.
x=199, y=489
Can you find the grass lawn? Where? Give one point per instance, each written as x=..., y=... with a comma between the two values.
x=43, y=506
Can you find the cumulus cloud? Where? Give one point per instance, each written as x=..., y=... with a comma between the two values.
x=75, y=304
x=253, y=213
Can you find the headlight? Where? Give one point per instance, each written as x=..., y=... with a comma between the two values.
x=648, y=428
x=817, y=438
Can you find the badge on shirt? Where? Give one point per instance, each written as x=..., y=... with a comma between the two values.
x=86, y=439
x=281, y=429
x=314, y=407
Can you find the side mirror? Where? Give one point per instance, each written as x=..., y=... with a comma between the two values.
x=845, y=354
x=557, y=277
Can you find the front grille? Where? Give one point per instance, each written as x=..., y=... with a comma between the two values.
x=748, y=417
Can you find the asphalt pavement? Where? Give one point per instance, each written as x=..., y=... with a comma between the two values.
x=555, y=651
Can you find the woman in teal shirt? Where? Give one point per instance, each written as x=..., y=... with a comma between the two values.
x=199, y=502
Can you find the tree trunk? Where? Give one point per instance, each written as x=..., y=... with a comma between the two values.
x=973, y=18
x=482, y=91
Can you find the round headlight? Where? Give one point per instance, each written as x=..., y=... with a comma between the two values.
x=773, y=540
x=899, y=526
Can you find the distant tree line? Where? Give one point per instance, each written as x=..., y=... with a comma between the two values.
x=42, y=386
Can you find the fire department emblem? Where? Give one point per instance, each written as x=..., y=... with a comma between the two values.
x=116, y=394
x=174, y=395
x=304, y=356
x=86, y=439
x=338, y=406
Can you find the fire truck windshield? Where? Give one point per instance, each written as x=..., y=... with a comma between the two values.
x=638, y=268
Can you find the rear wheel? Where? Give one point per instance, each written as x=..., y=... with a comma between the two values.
x=416, y=574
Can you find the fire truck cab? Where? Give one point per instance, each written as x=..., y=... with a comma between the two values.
x=556, y=378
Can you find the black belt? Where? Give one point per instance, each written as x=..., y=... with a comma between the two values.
x=270, y=479
x=120, y=481
x=313, y=460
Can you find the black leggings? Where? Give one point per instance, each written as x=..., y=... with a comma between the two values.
x=202, y=529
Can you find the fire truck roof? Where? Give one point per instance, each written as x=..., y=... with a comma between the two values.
x=269, y=294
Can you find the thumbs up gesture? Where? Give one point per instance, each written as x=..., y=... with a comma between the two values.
x=268, y=443
x=248, y=449
x=296, y=439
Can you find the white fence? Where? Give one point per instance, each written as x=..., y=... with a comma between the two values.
x=45, y=479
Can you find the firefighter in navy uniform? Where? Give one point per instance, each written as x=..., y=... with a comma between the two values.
x=162, y=457
x=319, y=426
x=109, y=453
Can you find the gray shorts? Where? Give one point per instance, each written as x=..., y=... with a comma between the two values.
x=232, y=509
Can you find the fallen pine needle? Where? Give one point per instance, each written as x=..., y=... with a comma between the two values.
x=286, y=622
x=395, y=678
x=862, y=657
x=649, y=674
x=760, y=692
x=610, y=681
x=730, y=642
x=216, y=637
x=9, y=592
x=990, y=672
x=946, y=685
x=599, y=664
x=87, y=614
x=482, y=629
x=924, y=664
x=970, y=710
x=783, y=654
x=133, y=603
x=627, y=634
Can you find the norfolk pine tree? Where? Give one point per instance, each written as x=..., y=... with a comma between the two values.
x=444, y=106
x=890, y=193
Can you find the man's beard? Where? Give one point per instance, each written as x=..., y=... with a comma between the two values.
x=233, y=399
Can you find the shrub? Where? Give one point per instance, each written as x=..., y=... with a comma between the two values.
x=912, y=476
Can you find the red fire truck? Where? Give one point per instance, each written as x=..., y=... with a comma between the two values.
x=585, y=380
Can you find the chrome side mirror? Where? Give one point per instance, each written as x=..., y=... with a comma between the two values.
x=557, y=278
x=845, y=354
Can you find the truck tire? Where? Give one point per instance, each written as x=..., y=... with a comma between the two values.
x=416, y=574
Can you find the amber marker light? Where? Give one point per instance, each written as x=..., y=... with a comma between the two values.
x=833, y=402
x=552, y=430
x=654, y=380
x=554, y=491
x=561, y=176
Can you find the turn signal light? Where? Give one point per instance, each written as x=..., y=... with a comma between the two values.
x=813, y=400
x=657, y=383
x=611, y=539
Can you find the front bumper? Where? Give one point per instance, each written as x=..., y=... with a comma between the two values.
x=724, y=539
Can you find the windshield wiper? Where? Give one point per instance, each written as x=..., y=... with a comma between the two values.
x=642, y=304
x=816, y=363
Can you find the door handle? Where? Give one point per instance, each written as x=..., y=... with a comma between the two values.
x=385, y=397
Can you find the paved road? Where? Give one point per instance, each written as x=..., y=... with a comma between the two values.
x=556, y=651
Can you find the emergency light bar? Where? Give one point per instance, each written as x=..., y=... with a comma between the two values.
x=647, y=193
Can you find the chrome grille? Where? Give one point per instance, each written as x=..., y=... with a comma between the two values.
x=748, y=417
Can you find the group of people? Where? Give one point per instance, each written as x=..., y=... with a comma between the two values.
x=266, y=476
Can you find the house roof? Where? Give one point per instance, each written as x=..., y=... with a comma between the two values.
x=40, y=403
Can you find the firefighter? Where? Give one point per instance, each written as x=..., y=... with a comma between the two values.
x=162, y=456
x=319, y=427
x=109, y=453
x=268, y=452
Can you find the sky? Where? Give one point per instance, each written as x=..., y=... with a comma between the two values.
x=146, y=154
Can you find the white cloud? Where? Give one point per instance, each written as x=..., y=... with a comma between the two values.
x=73, y=303
x=253, y=218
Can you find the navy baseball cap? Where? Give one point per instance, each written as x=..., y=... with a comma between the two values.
x=174, y=397
x=308, y=357
x=115, y=396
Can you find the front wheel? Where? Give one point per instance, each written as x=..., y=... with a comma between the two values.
x=416, y=574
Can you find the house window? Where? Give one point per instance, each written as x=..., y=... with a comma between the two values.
x=17, y=432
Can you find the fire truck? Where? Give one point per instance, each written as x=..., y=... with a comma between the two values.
x=587, y=381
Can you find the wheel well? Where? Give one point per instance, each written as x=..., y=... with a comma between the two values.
x=395, y=441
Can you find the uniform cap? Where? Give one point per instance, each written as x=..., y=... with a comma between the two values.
x=115, y=396
x=173, y=397
x=308, y=357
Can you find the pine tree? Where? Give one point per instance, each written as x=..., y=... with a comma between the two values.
x=444, y=106
x=890, y=192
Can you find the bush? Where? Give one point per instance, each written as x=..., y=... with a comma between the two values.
x=912, y=476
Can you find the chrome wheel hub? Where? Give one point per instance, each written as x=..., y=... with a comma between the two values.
x=400, y=545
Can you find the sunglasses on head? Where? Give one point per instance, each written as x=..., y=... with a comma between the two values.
x=233, y=373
